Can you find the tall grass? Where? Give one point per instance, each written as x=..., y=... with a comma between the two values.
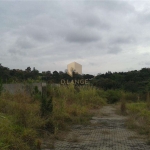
x=1, y=86
x=148, y=100
x=71, y=104
x=23, y=118
x=139, y=118
x=19, y=121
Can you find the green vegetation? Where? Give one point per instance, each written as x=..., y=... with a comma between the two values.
x=139, y=118
x=27, y=75
x=131, y=81
x=1, y=86
x=136, y=81
x=19, y=120
x=24, y=118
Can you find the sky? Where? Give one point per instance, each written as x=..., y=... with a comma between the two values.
x=101, y=35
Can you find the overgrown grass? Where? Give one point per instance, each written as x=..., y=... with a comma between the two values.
x=139, y=118
x=71, y=104
x=19, y=121
x=23, y=118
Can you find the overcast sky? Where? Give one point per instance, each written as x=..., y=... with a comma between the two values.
x=101, y=35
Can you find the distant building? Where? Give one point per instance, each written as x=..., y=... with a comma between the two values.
x=74, y=67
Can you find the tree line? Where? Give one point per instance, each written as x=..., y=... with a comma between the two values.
x=18, y=75
x=133, y=81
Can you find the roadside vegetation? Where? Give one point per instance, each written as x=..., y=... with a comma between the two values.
x=139, y=118
x=131, y=81
x=25, y=119
x=137, y=112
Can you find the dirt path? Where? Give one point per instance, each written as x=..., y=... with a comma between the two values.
x=106, y=132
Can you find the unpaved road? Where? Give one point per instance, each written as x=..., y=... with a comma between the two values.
x=106, y=132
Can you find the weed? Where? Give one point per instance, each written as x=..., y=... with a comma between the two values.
x=105, y=132
x=46, y=106
x=139, y=118
x=123, y=108
x=1, y=86
x=22, y=116
x=38, y=144
x=74, y=138
x=113, y=96
x=148, y=100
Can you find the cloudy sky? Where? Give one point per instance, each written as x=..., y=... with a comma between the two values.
x=102, y=35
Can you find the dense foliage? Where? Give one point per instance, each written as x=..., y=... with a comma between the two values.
x=132, y=81
x=17, y=75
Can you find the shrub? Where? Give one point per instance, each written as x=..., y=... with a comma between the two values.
x=139, y=117
x=113, y=96
x=1, y=86
x=133, y=97
x=46, y=106
x=123, y=108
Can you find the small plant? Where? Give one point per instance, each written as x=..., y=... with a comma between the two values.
x=113, y=96
x=123, y=108
x=38, y=144
x=105, y=132
x=148, y=139
x=46, y=106
x=74, y=138
x=148, y=100
x=1, y=86
x=36, y=94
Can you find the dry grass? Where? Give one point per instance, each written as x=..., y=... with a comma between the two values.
x=74, y=138
x=61, y=135
x=123, y=108
x=139, y=118
x=105, y=132
x=21, y=122
x=133, y=137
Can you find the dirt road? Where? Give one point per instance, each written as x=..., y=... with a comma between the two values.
x=107, y=131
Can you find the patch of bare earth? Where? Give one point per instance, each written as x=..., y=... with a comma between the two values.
x=107, y=131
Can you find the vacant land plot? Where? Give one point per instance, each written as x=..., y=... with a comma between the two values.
x=107, y=131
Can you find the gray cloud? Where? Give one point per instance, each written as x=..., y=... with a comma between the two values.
x=89, y=32
x=82, y=36
x=90, y=20
x=147, y=63
x=114, y=50
x=92, y=64
x=123, y=40
x=143, y=17
x=16, y=52
x=24, y=43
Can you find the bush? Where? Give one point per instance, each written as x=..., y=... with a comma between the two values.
x=1, y=86
x=113, y=96
x=46, y=106
x=123, y=108
x=139, y=118
x=133, y=97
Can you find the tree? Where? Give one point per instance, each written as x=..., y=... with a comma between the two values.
x=28, y=69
